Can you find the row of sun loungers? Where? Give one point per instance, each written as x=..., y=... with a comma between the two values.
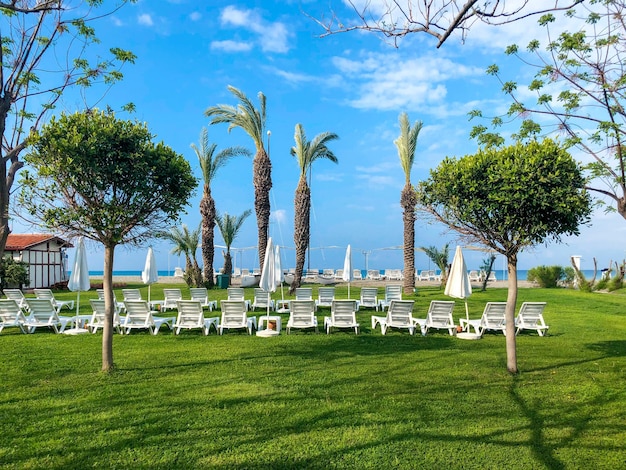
x=136, y=313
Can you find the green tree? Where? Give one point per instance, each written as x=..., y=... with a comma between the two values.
x=508, y=199
x=186, y=243
x=45, y=52
x=229, y=226
x=306, y=152
x=400, y=18
x=252, y=121
x=13, y=273
x=104, y=179
x=578, y=91
x=210, y=163
x=406, y=144
x=440, y=258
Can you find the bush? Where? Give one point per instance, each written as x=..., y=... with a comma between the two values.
x=547, y=276
x=13, y=273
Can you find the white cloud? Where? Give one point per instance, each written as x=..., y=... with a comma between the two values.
x=271, y=36
x=385, y=83
x=145, y=20
x=279, y=215
x=195, y=16
x=231, y=46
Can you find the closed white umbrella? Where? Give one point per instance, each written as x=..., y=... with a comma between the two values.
x=458, y=285
x=347, y=268
x=150, y=274
x=268, y=281
x=79, y=281
x=278, y=271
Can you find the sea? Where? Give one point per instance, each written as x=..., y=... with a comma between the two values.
x=501, y=275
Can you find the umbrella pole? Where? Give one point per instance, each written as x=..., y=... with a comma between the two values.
x=77, y=308
x=466, y=312
x=348, y=290
x=148, y=295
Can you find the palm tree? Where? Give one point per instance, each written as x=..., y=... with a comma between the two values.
x=186, y=242
x=252, y=121
x=306, y=153
x=229, y=226
x=210, y=163
x=406, y=144
x=440, y=258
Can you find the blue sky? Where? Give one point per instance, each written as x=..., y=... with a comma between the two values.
x=354, y=84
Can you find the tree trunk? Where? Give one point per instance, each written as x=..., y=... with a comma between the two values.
x=228, y=263
x=262, y=184
x=301, y=231
x=511, y=301
x=109, y=306
x=408, y=200
x=207, y=211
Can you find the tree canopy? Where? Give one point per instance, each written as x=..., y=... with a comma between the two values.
x=103, y=178
x=508, y=199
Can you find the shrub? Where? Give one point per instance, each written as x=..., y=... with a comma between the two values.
x=13, y=273
x=546, y=276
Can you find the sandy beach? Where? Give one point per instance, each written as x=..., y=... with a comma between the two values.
x=361, y=283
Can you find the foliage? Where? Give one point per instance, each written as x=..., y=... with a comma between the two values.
x=229, y=226
x=400, y=18
x=46, y=51
x=103, y=178
x=306, y=153
x=578, y=91
x=546, y=276
x=440, y=258
x=508, y=199
x=251, y=120
x=13, y=273
x=210, y=162
x=186, y=243
x=314, y=400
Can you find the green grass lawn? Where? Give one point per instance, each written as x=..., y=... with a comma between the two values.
x=315, y=401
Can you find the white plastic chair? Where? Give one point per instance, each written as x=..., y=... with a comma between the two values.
x=530, y=317
x=325, y=296
x=43, y=313
x=11, y=314
x=237, y=293
x=342, y=315
x=171, y=298
x=201, y=294
x=369, y=297
x=131, y=294
x=392, y=292
x=262, y=300
x=235, y=316
x=18, y=296
x=492, y=319
x=191, y=315
x=98, y=317
x=302, y=315
x=439, y=316
x=119, y=306
x=139, y=316
x=47, y=294
x=399, y=315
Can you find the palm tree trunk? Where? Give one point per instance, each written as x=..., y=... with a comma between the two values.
x=262, y=167
x=207, y=211
x=228, y=263
x=302, y=209
x=408, y=200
